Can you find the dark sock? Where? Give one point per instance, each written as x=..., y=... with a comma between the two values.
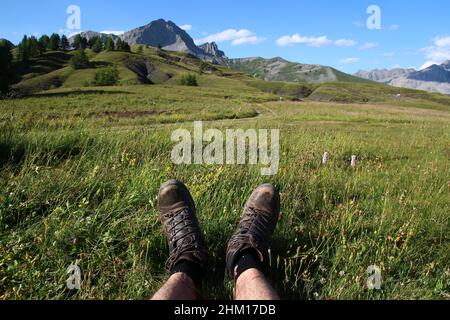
x=193, y=270
x=248, y=259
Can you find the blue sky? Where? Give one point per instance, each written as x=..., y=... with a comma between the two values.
x=413, y=33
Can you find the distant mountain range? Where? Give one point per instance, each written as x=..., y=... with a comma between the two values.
x=435, y=78
x=172, y=38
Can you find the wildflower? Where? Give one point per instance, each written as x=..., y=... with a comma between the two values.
x=95, y=171
x=316, y=295
x=74, y=241
x=353, y=162
x=342, y=273
x=323, y=281
x=84, y=202
x=325, y=158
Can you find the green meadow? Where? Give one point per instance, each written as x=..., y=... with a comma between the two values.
x=81, y=167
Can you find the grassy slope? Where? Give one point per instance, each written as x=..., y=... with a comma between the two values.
x=258, y=68
x=378, y=93
x=341, y=76
x=87, y=163
x=48, y=72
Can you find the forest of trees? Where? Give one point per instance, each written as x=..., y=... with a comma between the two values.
x=97, y=45
x=31, y=47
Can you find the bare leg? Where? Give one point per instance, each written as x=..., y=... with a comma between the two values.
x=252, y=285
x=178, y=287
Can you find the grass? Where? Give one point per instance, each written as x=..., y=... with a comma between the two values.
x=87, y=163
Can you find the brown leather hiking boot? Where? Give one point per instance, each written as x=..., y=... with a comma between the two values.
x=257, y=225
x=177, y=212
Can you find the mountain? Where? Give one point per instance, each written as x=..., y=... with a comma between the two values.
x=384, y=75
x=170, y=37
x=212, y=49
x=435, y=73
x=435, y=78
x=167, y=35
x=431, y=86
x=279, y=69
x=157, y=33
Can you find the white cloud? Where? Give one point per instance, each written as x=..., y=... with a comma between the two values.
x=309, y=41
x=369, y=45
x=345, y=43
x=438, y=52
x=320, y=41
x=350, y=60
x=443, y=41
x=396, y=66
x=114, y=32
x=237, y=37
x=247, y=40
x=388, y=55
x=186, y=27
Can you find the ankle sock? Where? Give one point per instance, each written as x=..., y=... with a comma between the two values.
x=193, y=270
x=248, y=259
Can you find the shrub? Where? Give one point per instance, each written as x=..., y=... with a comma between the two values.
x=79, y=60
x=189, y=80
x=106, y=77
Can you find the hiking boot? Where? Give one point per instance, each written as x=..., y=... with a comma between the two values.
x=257, y=225
x=177, y=211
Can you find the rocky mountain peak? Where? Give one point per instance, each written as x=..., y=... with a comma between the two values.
x=170, y=37
x=435, y=78
x=212, y=49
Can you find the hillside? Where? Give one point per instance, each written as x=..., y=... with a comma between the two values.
x=279, y=69
x=150, y=66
